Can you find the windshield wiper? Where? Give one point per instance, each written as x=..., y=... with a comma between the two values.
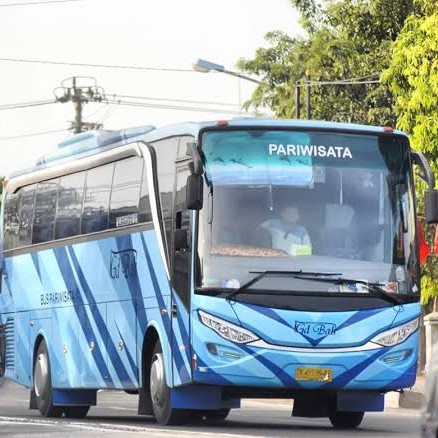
x=372, y=287
x=262, y=274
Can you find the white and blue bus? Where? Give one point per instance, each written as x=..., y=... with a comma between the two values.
x=161, y=262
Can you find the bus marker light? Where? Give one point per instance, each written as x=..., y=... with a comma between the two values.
x=194, y=361
x=222, y=123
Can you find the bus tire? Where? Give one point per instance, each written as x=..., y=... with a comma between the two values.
x=42, y=381
x=218, y=414
x=346, y=420
x=76, y=411
x=160, y=392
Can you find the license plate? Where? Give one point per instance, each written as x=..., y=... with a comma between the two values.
x=306, y=374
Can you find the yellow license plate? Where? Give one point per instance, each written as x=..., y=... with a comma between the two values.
x=306, y=374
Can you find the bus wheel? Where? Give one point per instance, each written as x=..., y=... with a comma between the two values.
x=76, y=411
x=160, y=392
x=42, y=379
x=346, y=420
x=219, y=414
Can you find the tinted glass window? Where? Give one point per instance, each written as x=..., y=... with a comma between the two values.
x=125, y=194
x=97, y=196
x=183, y=151
x=166, y=151
x=70, y=197
x=145, y=214
x=45, y=210
x=11, y=220
x=26, y=215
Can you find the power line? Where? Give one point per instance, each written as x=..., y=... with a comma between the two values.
x=25, y=105
x=81, y=64
x=199, y=102
x=38, y=3
x=32, y=134
x=173, y=107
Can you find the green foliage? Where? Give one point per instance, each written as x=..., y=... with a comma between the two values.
x=345, y=39
x=413, y=79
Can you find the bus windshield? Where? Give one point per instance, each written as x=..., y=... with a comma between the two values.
x=332, y=202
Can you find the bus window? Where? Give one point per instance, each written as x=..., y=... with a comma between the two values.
x=145, y=213
x=26, y=215
x=96, y=202
x=68, y=215
x=126, y=192
x=11, y=220
x=45, y=209
x=166, y=151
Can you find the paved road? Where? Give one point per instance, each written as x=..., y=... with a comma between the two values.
x=116, y=414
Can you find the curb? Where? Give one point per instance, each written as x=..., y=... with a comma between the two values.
x=411, y=400
x=407, y=399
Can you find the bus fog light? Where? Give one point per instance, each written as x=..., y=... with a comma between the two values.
x=226, y=329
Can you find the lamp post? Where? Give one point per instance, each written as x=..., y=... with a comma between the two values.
x=205, y=66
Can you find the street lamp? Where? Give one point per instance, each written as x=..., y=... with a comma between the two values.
x=204, y=66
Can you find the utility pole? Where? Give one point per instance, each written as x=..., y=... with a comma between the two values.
x=308, y=93
x=80, y=94
x=297, y=100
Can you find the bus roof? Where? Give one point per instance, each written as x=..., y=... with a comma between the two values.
x=94, y=142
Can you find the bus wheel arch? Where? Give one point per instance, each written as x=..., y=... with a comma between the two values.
x=42, y=380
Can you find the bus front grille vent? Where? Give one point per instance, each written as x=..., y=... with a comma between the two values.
x=9, y=334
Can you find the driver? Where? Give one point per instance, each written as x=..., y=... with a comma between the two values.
x=286, y=234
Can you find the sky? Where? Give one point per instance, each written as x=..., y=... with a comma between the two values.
x=162, y=34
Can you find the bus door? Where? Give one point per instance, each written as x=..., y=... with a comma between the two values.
x=181, y=264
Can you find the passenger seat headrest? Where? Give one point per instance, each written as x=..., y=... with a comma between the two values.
x=338, y=216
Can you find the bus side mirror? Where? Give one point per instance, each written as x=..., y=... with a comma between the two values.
x=194, y=192
x=431, y=206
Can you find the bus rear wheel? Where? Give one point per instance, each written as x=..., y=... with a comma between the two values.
x=160, y=392
x=42, y=379
x=346, y=420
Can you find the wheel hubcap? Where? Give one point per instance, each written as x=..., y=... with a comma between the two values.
x=41, y=375
x=157, y=380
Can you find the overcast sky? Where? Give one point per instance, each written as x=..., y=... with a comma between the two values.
x=168, y=34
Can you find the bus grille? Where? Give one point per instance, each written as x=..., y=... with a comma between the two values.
x=10, y=351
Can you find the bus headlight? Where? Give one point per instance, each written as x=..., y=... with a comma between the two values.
x=396, y=335
x=226, y=329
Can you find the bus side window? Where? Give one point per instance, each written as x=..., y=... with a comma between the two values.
x=166, y=151
x=144, y=208
x=11, y=220
x=70, y=197
x=26, y=215
x=96, y=201
x=45, y=209
x=125, y=192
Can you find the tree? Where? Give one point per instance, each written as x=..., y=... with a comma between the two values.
x=345, y=39
x=413, y=79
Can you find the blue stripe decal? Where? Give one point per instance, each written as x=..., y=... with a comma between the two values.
x=350, y=374
x=361, y=315
x=69, y=279
x=176, y=354
x=117, y=363
x=219, y=379
x=128, y=354
x=36, y=263
x=125, y=242
x=285, y=378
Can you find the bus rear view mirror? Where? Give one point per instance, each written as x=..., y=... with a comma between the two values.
x=194, y=192
x=431, y=201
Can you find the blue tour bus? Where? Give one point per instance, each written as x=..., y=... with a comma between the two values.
x=162, y=262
